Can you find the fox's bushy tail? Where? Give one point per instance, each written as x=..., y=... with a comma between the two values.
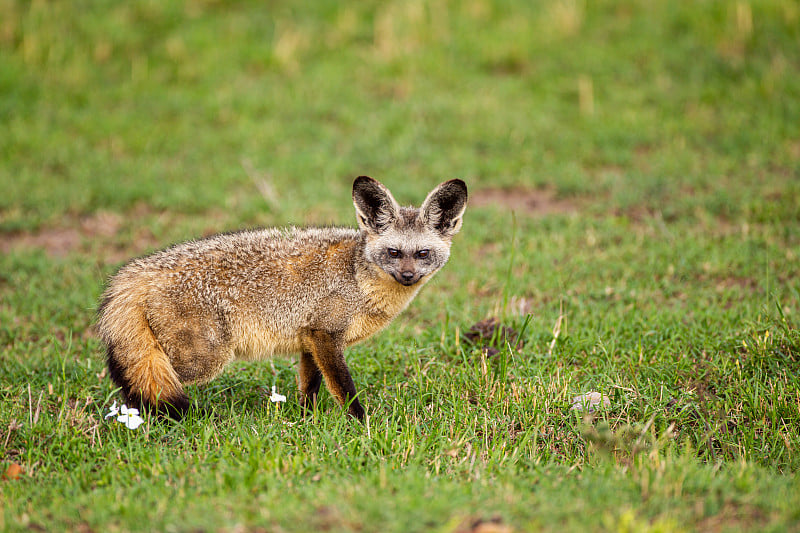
x=136, y=361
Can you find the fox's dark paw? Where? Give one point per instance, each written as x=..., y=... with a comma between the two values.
x=356, y=411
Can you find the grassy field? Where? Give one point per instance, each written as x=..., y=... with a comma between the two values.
x=634, y=172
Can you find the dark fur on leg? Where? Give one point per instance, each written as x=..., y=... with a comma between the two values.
x=326, y=352
x=310, y=380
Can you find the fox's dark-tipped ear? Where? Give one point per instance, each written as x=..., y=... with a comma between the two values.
x=376, y=209
x=444, y=207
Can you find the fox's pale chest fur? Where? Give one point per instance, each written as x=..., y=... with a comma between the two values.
x=180, y=315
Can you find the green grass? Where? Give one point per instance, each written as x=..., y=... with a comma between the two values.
x=652, y=155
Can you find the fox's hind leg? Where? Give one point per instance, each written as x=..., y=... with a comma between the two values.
x=147, y=380
x=310, y=380
x=136, y=361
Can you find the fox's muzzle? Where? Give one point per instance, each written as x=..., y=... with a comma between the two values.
x=407, y=277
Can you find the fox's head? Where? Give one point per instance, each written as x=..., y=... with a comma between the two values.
x=409, y=243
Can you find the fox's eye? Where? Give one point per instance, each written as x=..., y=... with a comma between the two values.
x=422, y=254
x=393, y=252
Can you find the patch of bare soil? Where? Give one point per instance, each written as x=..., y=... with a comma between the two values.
x=98, y=233
x=57, y=242
x=490, y=334
x=483, y=525
x=732, y=517
x=531, y=202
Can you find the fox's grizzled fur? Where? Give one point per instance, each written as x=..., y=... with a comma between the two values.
x=180, y=315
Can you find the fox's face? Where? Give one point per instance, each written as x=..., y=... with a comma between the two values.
x=408, y=243
x=408, y=250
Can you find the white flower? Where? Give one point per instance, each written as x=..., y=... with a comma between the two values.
x=126, y=415
x=130, y=417
x=113, y=410
x=276, y=397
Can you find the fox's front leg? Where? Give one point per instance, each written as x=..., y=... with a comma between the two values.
x=327, y=353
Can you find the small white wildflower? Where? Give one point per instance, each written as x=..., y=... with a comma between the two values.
x=276, y=397
x=130, y=417
x=113, y=410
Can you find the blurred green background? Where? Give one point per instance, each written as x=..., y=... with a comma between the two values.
x=689, y=109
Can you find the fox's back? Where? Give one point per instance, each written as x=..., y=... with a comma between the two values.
x=251, y=265
x=253, y=261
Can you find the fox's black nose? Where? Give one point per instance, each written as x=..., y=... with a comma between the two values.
x=407, y=276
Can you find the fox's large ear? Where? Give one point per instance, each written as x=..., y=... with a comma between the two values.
x=376, y=209
x=443, y=208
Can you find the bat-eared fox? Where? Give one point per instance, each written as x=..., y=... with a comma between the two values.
x=178, y=316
